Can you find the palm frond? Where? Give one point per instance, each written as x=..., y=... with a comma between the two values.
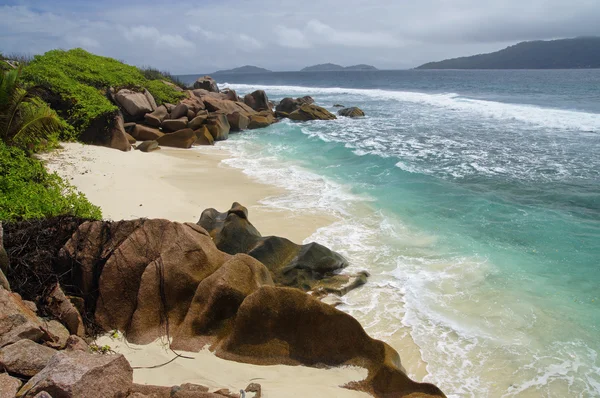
x=37, y=122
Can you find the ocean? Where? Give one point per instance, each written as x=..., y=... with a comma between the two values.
x=472, y=198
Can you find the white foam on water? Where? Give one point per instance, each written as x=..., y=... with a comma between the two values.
x=477, y=340
x=528, y=114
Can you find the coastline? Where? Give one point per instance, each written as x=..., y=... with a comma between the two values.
x=175, y=184
x=178, y=185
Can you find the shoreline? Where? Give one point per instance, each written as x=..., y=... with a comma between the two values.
x=140, y=192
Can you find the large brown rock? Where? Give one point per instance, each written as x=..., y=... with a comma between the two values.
x=206, y=83
x=259, y=121
x=237, y=121
x=118, y=136
x=311, y=112
x=63, y=309
x=289, y=105
x=155, y=118
x=218, y=125
x=150, y=272
x=258, y=101
x=226, y=106
x=9, y=386
x=179, y=111
x=217, y=299
x=204, y=137
x=145, y=133
x=175, y=124
x=198, y=121
x=17, y=321
x=193, y=103
x=230, y=94
x=79, y=374
x=148, y=146
x=351, y=112
x=25, y=357
x=277, y=325
x=184, y=138
x=301, y=266
x=135, y=104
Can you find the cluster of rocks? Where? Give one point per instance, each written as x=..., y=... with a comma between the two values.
x=218, y=282
x=204, y=116
x=45, y=357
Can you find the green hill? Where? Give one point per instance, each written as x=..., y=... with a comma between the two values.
x=577, y=53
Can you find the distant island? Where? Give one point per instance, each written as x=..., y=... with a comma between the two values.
x=335, y=67
x=577, y=53
x=242, y=69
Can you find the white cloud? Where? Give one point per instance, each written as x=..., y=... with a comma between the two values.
x=251, y=42
x=151, y=35
x=292, y=38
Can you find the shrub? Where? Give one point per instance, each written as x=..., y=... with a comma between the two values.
x=28, y=191
x=77, y=81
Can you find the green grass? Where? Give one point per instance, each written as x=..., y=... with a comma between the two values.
x=81, y=80
x=28, y=191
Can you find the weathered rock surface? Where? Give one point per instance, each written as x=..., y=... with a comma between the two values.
x=230, y=94
x=237, y=121
x=130, y=138
x=227, y=107
x=175, y=124
x=198, y=121
x=9, y=386
x=76, y=343
x=135, y=104
x=155, y=118
x=290, y=264
x=80, y=374
x=148, y=146
x=17, y=321
x=311, y=112
x=118, y=136
x=282, y=325
x=184, y=138
x=109, y=133
x=145, y=133
x=206, y=83
x=58, y=334
x=150, y=267
x=25, y=357
x=258, y=101
x=289, y=105
x=63, y=309
x=261, y=120
x=217, y=299
x=179, y=111
x=351, y=112
x=218, y=125
x=204, y=137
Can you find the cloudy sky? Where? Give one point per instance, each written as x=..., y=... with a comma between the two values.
x=203, y=36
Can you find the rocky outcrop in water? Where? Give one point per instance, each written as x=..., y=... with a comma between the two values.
x=351, y=112
x=311, y=112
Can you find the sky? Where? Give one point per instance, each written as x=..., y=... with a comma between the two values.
x=203, y=36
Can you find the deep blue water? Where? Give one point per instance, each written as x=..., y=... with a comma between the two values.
x=483, y=190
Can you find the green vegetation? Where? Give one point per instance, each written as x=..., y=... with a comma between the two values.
x=25, y=120
x=581, y=52
x=28, y=191
x=76, y=84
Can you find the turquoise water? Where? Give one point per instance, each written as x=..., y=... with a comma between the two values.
x=473, y=198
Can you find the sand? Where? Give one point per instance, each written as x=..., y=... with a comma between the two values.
x=178, y=185
x=216, y=373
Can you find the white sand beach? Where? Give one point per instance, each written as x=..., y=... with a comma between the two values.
x=178, y=185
